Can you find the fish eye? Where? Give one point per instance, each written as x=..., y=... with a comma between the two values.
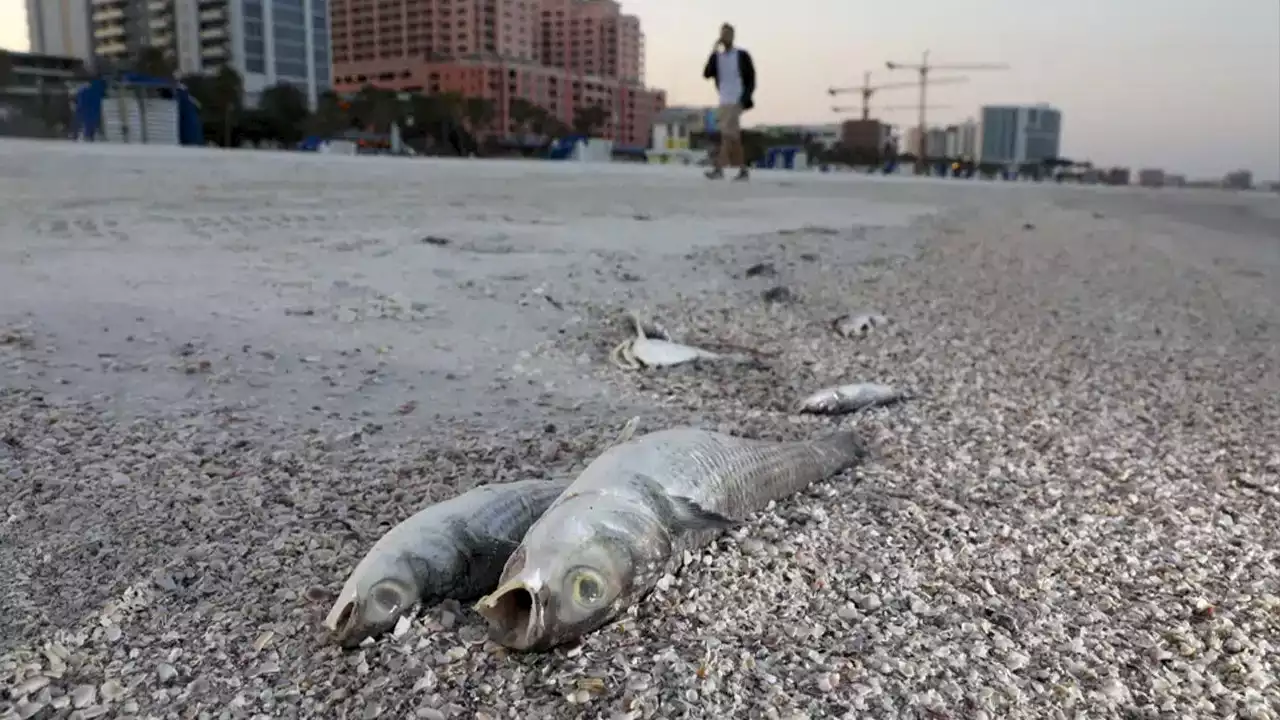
x=588, y=588
x=387, y=598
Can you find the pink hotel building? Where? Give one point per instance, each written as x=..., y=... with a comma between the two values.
x=558, y=54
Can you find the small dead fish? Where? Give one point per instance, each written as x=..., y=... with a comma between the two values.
x=857, y=325
x=849, y=398
x=453, y=549
x=644, y=350
x=629, y=517
x=649, y=329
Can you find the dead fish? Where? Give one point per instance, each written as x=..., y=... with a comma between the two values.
x=849, y=398
x=857, y=324
x=646, y=351
x=630, y=515
x=454, y=549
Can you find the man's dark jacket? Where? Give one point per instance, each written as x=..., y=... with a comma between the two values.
x=746, y=68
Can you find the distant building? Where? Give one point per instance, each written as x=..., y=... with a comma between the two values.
x=941, y=142
x=561, y=55
x=1116, y=176
x=36, y=102
x=1238, y=180
x=826, y=135
x=32, y=73
x=915, y=141
x=673, y=128
x=868, y=137
x=935, y=143
x=265, y=41
x=1151, y=177
x=962, y=140
x=1019, y=134
x=121, y=28
x=1174, y=180
x=60, y=28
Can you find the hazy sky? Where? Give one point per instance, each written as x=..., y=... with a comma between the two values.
x=1189, y=85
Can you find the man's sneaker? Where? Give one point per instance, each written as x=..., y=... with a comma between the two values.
x=742, y=175
x=714, y=174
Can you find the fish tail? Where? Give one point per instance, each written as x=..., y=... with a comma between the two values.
x=839, y=451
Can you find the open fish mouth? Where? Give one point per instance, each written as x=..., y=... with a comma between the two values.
x=344, y=625
x=514, y=613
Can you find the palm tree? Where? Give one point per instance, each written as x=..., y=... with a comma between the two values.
x=155, y=62
x=221, y=100
x=284, y=108
x=523, y=114
x=6, y=68
x=591, y=119
x=376, y=108
x=330, y=116
x=480, y=112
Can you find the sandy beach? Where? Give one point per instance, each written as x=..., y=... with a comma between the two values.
x=225, y=374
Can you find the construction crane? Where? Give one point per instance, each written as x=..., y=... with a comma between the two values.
x=888, y=108
x=867, y=89
x=924, y=68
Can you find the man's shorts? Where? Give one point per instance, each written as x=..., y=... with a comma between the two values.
x=727, y=118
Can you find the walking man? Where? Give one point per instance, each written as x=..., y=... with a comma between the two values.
x=735, y=77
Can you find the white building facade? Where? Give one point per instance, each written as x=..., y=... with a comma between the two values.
x=265, y=41
x=60, y=27
x=1018, y=134
x=282, y=41
x=962, y=140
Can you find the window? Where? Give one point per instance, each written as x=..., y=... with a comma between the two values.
x=255, y=51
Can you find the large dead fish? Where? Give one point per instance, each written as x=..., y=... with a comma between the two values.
x=850, y=398
x=453, y=549
x=630, y=515
x=643, y=350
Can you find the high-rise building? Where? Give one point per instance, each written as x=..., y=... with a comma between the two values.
x=1018, y=134
x=266, y=41
x=121, y=28
x=276, y=41
x=1151, y=177
x=592, y=37
x=865, y=138
x=562, y=55
x=60, y=27
x=962, y=140
x=937, y=142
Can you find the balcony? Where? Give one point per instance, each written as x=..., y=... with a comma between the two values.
x=108, y=15
x=109, y=33
x=216, y=15
x=114, y=49
x=214, y=32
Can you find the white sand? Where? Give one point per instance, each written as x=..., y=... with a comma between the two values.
x=207, y=356
x=120, y=255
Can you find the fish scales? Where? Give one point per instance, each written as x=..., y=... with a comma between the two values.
x=736, y=477
x=730, y=476
x=501, y=513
